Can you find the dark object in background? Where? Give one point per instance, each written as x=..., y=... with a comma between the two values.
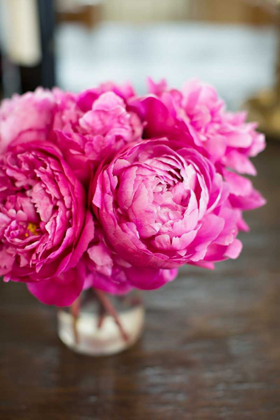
x=39, y=71
x=83, y=12
x=47, y=26
x=87, y=15
x=1, y=76
x=264, y=107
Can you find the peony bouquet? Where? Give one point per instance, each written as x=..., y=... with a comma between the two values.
x=114, y=191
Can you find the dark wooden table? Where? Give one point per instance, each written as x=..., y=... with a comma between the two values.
x=211, y=348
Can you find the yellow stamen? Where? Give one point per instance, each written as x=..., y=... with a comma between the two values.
x=32, y=229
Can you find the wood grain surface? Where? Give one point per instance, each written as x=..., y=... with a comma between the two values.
x=211, y=347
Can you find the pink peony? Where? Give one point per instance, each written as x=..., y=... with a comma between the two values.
x=199, y=119
x=87, y=97
x=94, y=124
x=27, y=118
x=60, y=290
x=226, y=136
x=163, y=175
x=44, y=225
x=162, y=205
x=109, y=272
x=86, y=127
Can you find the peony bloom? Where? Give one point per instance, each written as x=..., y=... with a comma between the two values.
x=87, y=97
x=27, y=118
x=44, y=225
x=163, y=175
x=225, y=136
x=60, y=290
x=107, y=271
x=86, y=126
x=198, y=118
x=163, y=204
x=94, y=124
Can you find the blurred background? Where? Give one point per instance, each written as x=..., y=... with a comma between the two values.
x=76, y=44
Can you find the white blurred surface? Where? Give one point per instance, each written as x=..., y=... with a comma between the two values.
x=238, y=60
x=20, y=33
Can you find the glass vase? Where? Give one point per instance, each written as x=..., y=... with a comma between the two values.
x=102, y=324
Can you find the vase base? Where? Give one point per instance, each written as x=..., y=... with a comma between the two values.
x=85, y=336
